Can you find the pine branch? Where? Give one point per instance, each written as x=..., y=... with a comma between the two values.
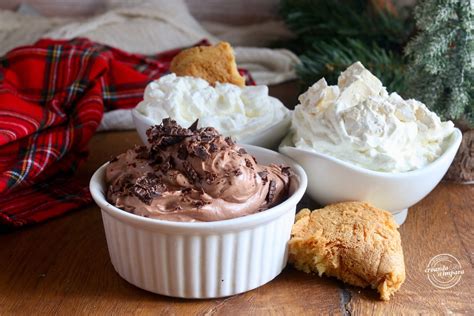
x=328, y=58
x=441, y=69
x=314, y=20
x=332, y=35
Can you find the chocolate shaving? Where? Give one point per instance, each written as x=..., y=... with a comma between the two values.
x=248, y=163
x=206, y=138
x=286, y=170
x=209, y=131
x=213, y=148
x=147, y=187
x=237, y=172
x=113, y=159
x=190, y=172
x=166, y=134
x=229, y=141
x=242, y=151
x=201, y=152
x=208, y=134
x=271, y=191
x=194, y=126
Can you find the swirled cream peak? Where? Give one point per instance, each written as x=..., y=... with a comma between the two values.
x=234, y=111
x=190, y=174
x=359, y=122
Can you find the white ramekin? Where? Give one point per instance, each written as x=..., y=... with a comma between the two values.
x=267, y=138
x=201, y=260
x=332, y=180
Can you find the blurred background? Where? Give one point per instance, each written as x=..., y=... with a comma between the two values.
x=228, y=11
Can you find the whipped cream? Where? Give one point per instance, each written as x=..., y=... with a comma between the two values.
x=359, y=122
x=234, y=111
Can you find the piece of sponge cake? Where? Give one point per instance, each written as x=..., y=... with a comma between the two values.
x=211, y=63
x=353, y=241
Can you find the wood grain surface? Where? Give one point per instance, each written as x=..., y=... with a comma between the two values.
x=62, y=267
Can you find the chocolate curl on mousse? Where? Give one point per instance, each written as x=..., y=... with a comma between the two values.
x=169, y=133
x=193, y=174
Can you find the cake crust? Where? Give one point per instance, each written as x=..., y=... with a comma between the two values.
x=352, y=241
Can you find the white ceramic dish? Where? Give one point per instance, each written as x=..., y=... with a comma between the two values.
x=332, y=180
x=201, y=260
x=267, y=138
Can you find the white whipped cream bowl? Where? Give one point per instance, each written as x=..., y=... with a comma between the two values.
x=203, y=259
x=332, y=180
x=267, y=138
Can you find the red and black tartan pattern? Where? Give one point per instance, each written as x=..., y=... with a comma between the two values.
x=52, y=98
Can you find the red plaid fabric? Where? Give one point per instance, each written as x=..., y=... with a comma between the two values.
x=52, y=98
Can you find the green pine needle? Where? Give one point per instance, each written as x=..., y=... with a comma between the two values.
x=441, y=59
x=332, y=35
x=329, y=58
x=340, y=19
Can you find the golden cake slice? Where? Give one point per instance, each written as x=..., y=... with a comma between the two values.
x=211, y=63
x=353, y=241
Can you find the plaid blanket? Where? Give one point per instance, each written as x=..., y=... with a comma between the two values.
x=52, y=98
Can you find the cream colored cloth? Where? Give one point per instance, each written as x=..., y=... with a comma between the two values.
x=151, y=26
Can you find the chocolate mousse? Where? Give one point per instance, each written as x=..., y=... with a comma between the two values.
x=191, y=174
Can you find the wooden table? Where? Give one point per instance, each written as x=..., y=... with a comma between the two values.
x=62, y=266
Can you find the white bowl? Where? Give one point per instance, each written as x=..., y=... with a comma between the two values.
x=204, y=259
x=332, y=180
x=267, y=138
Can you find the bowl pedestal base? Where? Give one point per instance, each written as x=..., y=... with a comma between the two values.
x=400, y=216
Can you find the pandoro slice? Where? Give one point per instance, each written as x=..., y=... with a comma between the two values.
x=352, y=241
x=211, y=63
